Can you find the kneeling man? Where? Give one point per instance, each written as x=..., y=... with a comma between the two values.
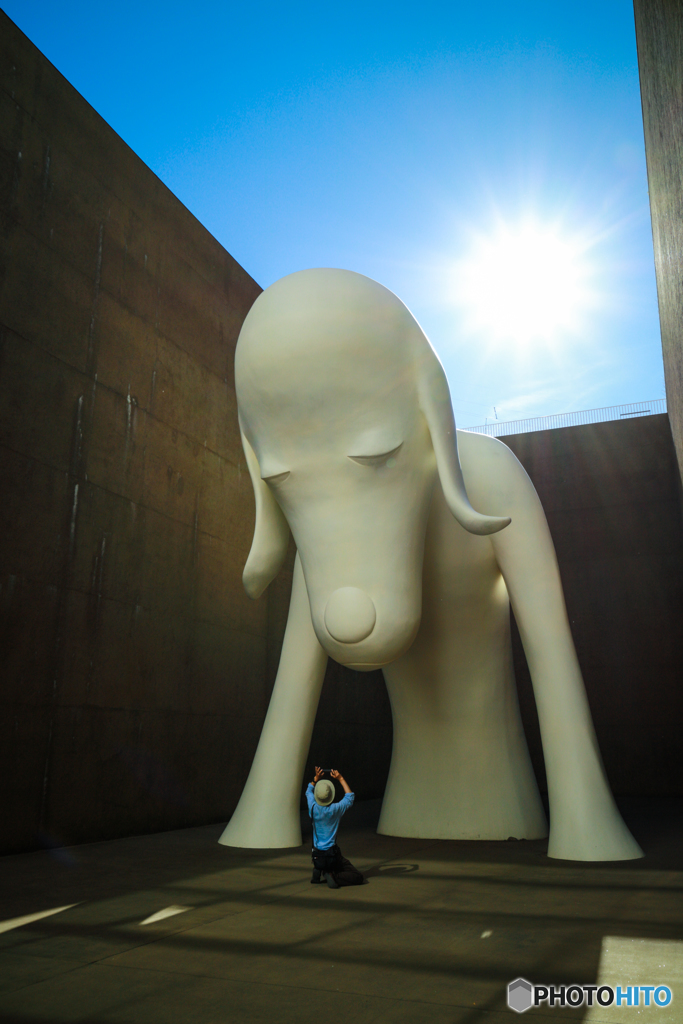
x=328, y=863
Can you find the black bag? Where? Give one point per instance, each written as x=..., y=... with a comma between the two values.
x=326, y=860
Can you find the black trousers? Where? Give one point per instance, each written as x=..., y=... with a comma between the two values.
x=332, y=862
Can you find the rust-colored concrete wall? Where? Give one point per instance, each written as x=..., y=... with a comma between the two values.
x=659, y=34
x=134, y=668
x=610, y=492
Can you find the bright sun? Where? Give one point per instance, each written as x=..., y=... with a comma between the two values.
x=523, y=284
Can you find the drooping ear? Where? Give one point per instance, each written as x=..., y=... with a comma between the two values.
x=271, y=532
x=435, y=402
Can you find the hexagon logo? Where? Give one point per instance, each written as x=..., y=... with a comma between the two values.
x=520, y=995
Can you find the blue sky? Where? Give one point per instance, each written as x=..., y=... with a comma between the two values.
x=391, y=139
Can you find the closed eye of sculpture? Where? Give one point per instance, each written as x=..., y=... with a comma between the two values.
x=276, y=478
x=397, y=570
x=376, y=460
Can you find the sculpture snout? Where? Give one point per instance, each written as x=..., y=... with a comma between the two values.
x=350, y=615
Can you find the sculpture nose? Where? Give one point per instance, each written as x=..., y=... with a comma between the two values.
x=350, y=615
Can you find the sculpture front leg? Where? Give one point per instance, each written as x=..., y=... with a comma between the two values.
x=267, y=816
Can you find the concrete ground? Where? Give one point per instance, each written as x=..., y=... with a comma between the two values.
x=433, y=938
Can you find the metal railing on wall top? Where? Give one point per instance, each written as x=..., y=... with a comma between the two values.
x=499, y=428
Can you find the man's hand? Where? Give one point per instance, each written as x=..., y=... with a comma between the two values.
x=342, y=781
x=318, y=774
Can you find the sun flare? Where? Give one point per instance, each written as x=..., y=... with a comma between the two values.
x=523, y=284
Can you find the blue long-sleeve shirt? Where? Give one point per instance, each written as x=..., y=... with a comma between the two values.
x=326, y=819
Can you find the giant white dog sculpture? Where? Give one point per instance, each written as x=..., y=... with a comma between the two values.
x=350, y=441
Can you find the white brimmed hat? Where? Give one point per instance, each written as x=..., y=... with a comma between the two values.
x=324, y=792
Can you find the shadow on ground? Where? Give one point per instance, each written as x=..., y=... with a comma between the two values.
x=436, y=935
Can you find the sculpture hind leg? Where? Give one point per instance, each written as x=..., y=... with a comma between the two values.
x=585, y=823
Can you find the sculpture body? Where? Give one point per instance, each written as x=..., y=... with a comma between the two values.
x=350, y=441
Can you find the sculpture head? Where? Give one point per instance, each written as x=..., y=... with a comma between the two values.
x=346, y=421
